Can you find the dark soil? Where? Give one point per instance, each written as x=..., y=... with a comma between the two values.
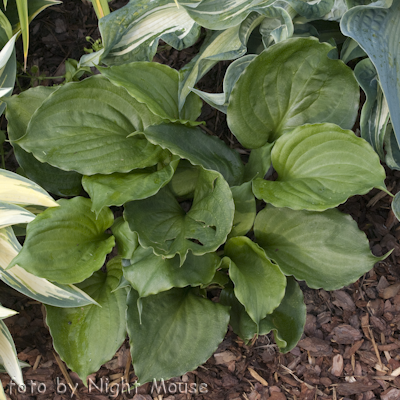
x=351, y=345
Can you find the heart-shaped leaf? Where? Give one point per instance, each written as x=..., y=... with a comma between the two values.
x=326, y=249
x=320, y=166
x=150, y=274
x=178, y=331
x=290, y=84
x=84, y=123
x=87, y=337
x=67, y=244
x=259, y=284
x=170, y=230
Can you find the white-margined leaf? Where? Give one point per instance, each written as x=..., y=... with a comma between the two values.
x=8, y=355
x=6, y=312
x=218, y=46
x=11, y=214
x=16, y=189
x=376, y=29
x=132, y=32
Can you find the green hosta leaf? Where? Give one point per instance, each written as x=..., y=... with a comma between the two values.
x=240, y=321
x=19, y=112
x=83, y=127
x=87, y=337
x=183, y=183
x=127, y=241
x=132, y=32
x=291, y=84
x=200, y=149
x=32, y=286
x=220, y=101
x=259, y=284
x=259, y=162
x=150, y=274
x=15, y=188
x=320, y=166
x=8, y=355
x=326, y=249
x=245, y=209
x=178, y=332
x=375, y=111
x=376, y=31
x=287, y=320
x=157, y=86
x=170, y=230
x=117, y=189
x=68, y=243
x=222, y=45
x=11, y=214
x=222, y=14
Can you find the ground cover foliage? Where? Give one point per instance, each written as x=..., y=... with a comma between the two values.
x=130, y=137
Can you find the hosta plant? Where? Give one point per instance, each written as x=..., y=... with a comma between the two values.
x=196, y=220
x=19, y=200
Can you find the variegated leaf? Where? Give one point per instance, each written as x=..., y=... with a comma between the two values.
x=8, y=355
x=11, y=214
x=19, y=190
x=6, y=312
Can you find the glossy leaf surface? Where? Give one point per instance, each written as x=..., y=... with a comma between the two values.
x=32, y=286
x=259, y=284
x=117, y=188
x=187, y=327
x=319, y=167
x=291, y=84
x=157, y=86
x=19, y=112
x=170, y=230
x=68, y=243
x=200, y=149
x=326, y=249
x=84, y=123
x=87, y=337
x=150, y=274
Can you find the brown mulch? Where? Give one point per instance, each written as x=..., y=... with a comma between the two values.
x=351, y=344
